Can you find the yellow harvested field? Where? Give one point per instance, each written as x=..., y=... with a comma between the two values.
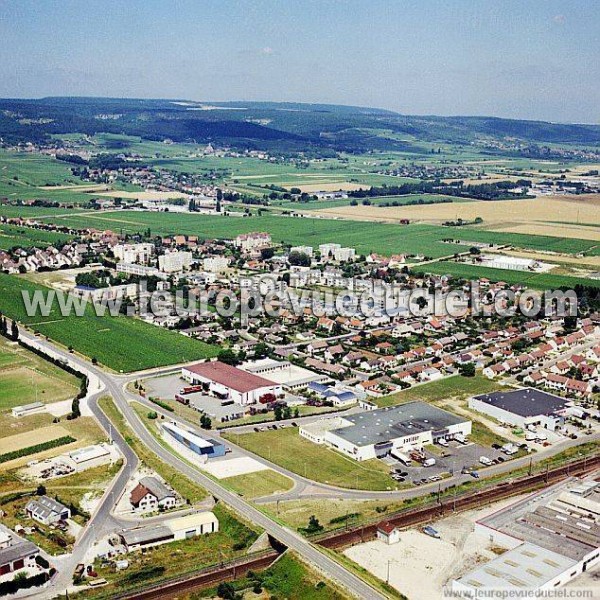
x=144, y=195
x=551, y=229
x=31, y=438
x=505, y=214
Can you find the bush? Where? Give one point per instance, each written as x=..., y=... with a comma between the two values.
x=162, y=404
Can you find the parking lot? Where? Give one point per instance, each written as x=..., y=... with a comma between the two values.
x=452, y=459
x=166, y=388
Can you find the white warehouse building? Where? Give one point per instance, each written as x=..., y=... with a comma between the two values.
x=522, y=408
x=376, y=433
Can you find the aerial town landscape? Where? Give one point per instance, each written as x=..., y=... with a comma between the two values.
x=283, y=344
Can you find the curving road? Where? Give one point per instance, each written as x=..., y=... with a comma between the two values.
x=102, y=520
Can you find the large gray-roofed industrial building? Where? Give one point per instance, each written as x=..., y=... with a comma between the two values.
x=525, y=567
x=549, y=521
x=400, y=421
x=374, y=434
x=526, y=402
x=522, y=407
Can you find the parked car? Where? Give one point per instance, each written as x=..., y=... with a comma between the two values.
x=475, y=474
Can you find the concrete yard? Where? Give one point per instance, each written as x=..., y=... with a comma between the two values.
x=421, y=566
x=231, y=467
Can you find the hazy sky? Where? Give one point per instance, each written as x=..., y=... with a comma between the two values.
x=516, y=58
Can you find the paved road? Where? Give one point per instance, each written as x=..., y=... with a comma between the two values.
x=305, y=488
x=113, y=385
x=102, y=522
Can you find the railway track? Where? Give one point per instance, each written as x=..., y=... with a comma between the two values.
x=406, y=518
x=423, y=515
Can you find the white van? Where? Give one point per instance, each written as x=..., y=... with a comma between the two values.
x=429, y=462
x=484, y=460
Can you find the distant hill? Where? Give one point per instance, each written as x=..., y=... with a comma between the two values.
x=286, y=126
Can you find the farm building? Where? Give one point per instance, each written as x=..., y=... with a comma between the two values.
x=374, y=434
x=191, y=444
x=28, y=409
x=522, y=408
x=192, y=525
x=88, y=457
x=15, y=552
x=47, y=510
x=179, y=528
x=230, y=383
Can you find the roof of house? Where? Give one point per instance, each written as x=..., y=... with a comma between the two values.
x=230, y=376
x=20, y=548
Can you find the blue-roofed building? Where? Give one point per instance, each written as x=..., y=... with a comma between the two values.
x=191, y=442
x=337, y=395
x=318, y=388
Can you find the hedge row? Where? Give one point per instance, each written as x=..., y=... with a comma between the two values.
x=21, y=583
x=162, y=404
x=61, y=441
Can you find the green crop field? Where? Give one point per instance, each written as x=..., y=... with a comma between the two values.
x=375, y=201
x=36, y=212
x=120, y=343
x=11, y=236
x=540, y=281
x=366, y=237
x=286, y=448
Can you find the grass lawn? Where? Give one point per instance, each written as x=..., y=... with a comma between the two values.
x=186, y=488
x=484, y=436
x=286, y=448
x=26, y=377
x=259, y=483
x=296, y=513
x=437, y=392
x=120, y=343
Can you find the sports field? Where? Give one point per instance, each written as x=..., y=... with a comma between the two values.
x=286, y=448
x=120, y=343
x=26, y=377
